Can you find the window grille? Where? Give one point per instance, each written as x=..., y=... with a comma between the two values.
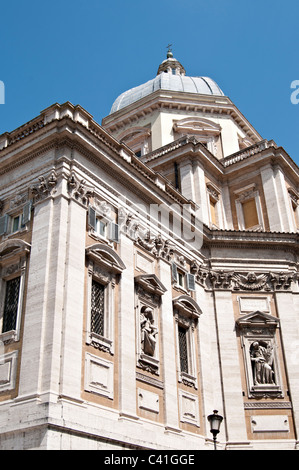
x=11, y=304
x=97, y=308
x=183, y=349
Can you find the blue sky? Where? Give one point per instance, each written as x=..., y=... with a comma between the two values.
x=89, y=52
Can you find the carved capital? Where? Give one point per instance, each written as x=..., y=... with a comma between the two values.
x=79, y=190
x=157, y=246
x=45, y=187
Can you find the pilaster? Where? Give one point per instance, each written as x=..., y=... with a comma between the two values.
x=284, y=201
x=200, y=192
x=72, y=319
x=187, y=180
x=272, y=199
x=127, y=335
x=287, y=308
x=33, y=351
x=168, y=350
x=210, y=376
x=230, y=368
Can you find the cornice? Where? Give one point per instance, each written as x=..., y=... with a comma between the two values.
x=12, y=144
x=257, y=240
x=169, y=99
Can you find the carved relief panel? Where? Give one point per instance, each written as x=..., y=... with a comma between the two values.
x=258, y=339
x=148, y=292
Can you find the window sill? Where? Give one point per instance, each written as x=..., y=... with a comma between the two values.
x=100, y=342
x=181, y=289
x=9, y=337
x=96, y=236
x=13, y=234
x=188, y=379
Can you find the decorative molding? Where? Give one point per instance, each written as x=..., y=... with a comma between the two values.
x=99, y=375
x=189, y=411
x=213, y=191
x=294, y=195
x=149, y=380
x=148, y=401
x=8, y=371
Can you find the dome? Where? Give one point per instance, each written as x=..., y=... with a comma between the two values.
x=171, y=76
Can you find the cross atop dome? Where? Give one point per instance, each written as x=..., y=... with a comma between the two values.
x=169, y=51
x=171, y=65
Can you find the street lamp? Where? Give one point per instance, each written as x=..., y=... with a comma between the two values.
x=215, y=420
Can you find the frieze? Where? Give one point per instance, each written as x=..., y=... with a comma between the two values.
x=268, y=405
x=245, y=281
x=18, y=200
x=149, y=380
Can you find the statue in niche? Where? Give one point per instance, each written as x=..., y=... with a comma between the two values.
x=261, y=353
x=148, y=331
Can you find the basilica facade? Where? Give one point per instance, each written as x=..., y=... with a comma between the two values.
x=149, y=275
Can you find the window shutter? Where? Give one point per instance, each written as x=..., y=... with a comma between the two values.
x=174, y=272
x=92, y=218
x=190, y=281
x=26, y=216
x=114, y=236
x=3, y=224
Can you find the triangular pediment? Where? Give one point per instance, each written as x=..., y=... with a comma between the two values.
x=151, y=283
x=257, y=318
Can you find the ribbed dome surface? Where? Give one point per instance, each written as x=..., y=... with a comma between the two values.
x=167, y=81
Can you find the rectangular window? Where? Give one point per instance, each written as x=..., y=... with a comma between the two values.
x=250, y=213
x=11, y=303
x=181, y=279
x=15, y=225
x=101, y=227
x=97, y=308
x=183, y=349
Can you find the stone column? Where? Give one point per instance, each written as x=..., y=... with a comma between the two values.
x=168, y=351
x=127, y=335
x=230, y=367
x=287, y=305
